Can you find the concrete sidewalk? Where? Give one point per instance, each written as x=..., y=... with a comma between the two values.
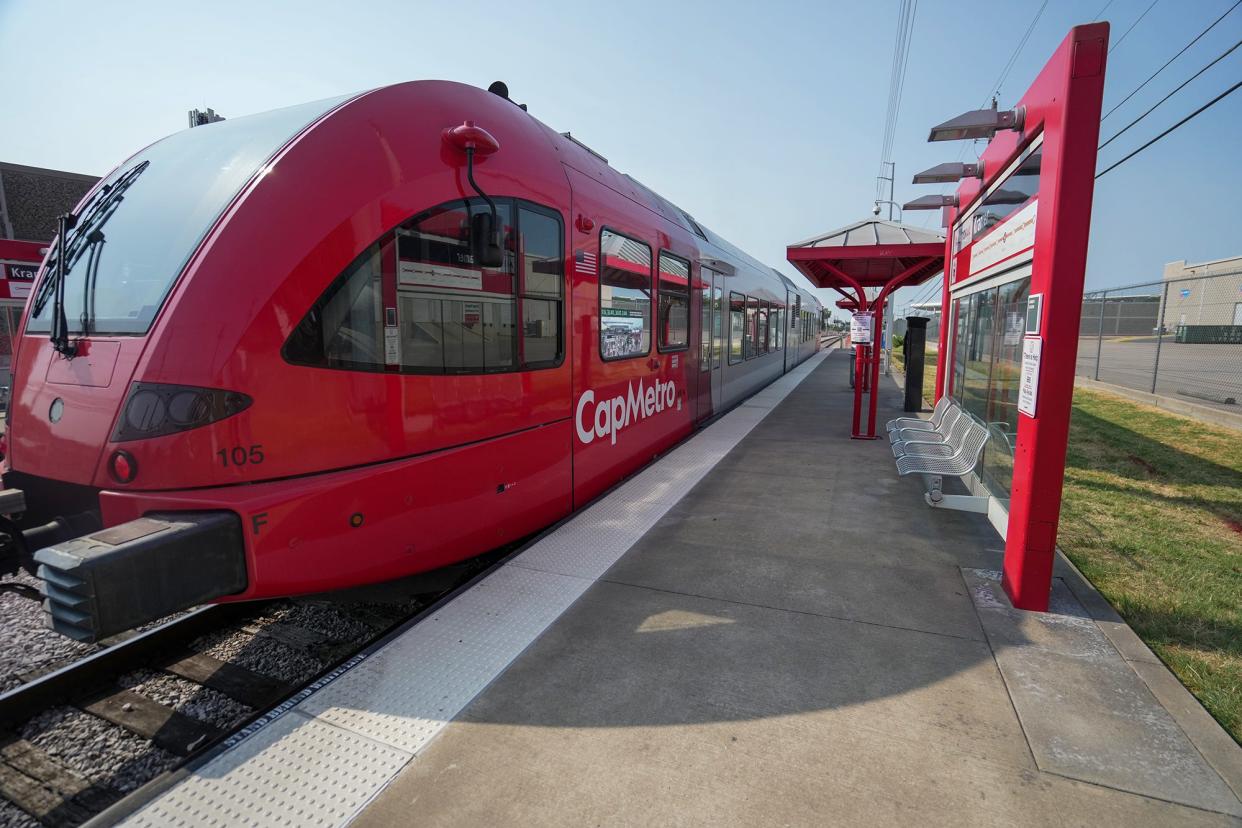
x=802, y=641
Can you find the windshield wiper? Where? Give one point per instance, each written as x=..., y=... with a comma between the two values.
x=88, y=237
x=60, y=325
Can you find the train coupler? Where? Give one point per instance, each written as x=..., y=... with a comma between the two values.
x=118, y=578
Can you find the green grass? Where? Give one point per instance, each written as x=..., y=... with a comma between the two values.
x=929, y=370
x=1152, y=514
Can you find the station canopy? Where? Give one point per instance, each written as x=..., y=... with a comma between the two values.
x=869, y=254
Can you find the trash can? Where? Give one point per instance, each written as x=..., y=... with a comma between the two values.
x=916, y=339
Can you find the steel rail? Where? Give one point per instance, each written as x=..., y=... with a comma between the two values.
x=79, y=678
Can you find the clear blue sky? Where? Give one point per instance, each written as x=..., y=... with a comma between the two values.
x=762, y=119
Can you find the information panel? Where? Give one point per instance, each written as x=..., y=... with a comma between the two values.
x=860, y=328
x=1028, y=390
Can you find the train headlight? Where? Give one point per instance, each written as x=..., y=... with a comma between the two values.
x=153, y=409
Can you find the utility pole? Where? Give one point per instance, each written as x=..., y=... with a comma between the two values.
x=891, y=168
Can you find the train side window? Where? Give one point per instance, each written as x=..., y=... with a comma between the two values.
x=778, y=328
x=454, y=317
x=765, y=334
x=673, y=303
x=415, y=302
x=752, y=322
x=542, y=286
x=705, y=322
x=624, y=297
x=737, y=327
x=717, y=325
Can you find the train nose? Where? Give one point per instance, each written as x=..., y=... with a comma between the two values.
x=63, y=409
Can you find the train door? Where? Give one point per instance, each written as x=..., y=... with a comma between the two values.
x=630, y=396
x=711, y=383
x=717, y=341
x=785, y=333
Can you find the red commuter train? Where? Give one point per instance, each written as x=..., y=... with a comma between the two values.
x=358, y=339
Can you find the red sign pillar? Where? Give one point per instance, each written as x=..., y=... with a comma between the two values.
x=1072, y=86
x=1061, y=110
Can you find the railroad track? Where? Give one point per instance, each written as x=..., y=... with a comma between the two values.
x=94, y=734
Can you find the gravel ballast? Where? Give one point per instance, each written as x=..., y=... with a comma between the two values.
x=26, y=646
x=186, y=697
x=101, y=752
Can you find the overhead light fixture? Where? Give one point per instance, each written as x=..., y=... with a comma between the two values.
x=931, y=202
x=978, y=123
x=949, y=172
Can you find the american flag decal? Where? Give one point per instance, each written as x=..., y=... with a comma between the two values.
x=585, y=262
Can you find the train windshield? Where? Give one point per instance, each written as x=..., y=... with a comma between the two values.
x=136, y=233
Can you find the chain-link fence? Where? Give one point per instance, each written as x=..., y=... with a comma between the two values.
x=1178, y=337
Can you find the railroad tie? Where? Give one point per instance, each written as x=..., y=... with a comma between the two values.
x=166, y=728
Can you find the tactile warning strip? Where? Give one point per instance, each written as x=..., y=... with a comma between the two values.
x=322, y=761
x=295, y=771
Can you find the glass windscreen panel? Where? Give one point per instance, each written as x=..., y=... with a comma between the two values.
x=1013, y=193
x=987, y=370
x=624, y=297
x=136, y=233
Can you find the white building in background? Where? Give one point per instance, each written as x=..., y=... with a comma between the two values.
x=1207, y=293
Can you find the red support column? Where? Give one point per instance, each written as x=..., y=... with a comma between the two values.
x=1070, y=91
x=942, y=354
x=877, y=328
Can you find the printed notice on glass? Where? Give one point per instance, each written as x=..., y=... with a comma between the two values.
x=1029, y=387
x=860, y=329
x=392, y=346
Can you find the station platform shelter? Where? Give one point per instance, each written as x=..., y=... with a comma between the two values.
x=721, y=640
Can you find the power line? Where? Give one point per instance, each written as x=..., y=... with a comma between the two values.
x=995, y=87
x=1181, y=86
x=1185, y=120
x=1100, y=13
x=1013, y=59
x=1132, y=25
x=1170, y=60
x=897, y=81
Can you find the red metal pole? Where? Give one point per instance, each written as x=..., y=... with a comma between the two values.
x=859, y=364
x=877, y=328
x=942, y=353
x=1074, y=79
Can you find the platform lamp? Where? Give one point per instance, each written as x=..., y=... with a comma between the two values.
x=931, y=202
x=978, y=123
x=949, y=173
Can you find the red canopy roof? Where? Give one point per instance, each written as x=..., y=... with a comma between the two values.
x=872, y=253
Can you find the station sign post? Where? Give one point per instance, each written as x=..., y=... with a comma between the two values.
x=998, y=230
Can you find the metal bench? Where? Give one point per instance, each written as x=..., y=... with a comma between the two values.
x=937, y=435
x=937, y=443
x=957, y=457
x=918, y=423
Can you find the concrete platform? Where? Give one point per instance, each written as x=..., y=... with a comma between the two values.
x=773, y=630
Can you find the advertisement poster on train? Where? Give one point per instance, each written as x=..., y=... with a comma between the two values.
x=1028, y=388
x=621, y=332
